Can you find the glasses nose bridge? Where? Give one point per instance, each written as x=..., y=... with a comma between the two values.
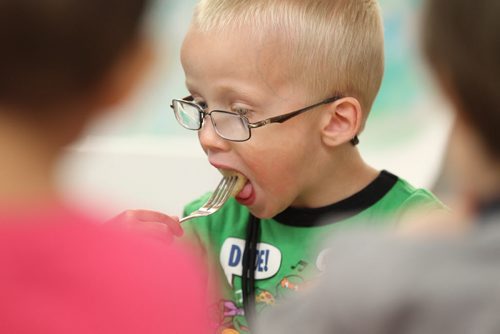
x=209, y=137
x=216, y=127
x=203, y=115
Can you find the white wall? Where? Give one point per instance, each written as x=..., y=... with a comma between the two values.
x=137, y=173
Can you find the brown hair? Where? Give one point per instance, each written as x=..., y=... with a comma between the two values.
x=53, y=50
x=462, y=43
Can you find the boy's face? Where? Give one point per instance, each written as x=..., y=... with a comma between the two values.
x=231, y=72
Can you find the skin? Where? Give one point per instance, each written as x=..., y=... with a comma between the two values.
x=304, y=162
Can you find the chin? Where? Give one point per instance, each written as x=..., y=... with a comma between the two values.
x=264, y=212
x=261, y=214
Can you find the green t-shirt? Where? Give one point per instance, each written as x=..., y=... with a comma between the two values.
x=288, y=253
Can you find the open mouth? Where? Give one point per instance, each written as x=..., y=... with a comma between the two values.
x=243, y=192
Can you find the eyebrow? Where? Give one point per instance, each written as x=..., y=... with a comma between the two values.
x=229, y=93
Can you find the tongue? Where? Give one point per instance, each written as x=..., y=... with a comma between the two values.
x=246, y=192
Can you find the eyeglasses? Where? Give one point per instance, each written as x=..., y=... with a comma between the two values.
x=231, y=125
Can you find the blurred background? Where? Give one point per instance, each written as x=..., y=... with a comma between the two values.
x=140, y=158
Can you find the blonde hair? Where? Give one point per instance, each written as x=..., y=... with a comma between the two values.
x=336, y=46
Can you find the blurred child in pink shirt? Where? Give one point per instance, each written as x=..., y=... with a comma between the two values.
x=62, y=63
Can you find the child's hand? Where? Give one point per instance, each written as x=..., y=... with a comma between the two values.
x=152, y=223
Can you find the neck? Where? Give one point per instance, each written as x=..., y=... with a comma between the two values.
x=339, y=177
x=28, y=159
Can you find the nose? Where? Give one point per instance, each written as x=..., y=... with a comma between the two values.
x=209, y=139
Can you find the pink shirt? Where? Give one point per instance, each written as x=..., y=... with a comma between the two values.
x=62, y=273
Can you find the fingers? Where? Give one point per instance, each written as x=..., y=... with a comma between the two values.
x=159, y=231
x=150, y=220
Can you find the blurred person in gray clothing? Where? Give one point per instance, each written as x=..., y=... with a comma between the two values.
x=441, y=283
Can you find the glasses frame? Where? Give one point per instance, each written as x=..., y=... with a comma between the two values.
x=276, y=119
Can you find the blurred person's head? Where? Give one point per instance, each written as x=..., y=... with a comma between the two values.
x=61, y=61
x=263, y=59
x=61, y=64
x=461, y=40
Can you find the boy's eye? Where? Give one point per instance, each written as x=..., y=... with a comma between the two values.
x=241, y=111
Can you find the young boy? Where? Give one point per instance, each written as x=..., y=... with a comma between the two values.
x=315, y=67
x=62, y=63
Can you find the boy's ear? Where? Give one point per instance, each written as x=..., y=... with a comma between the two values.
x=342, y=121
x=121, y=80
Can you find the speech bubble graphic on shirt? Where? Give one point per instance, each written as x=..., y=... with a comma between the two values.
x=267, y=263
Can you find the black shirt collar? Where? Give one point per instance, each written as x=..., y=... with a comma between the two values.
x=351, y=206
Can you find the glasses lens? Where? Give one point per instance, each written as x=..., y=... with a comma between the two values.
x=187, y=115
x=230, y=126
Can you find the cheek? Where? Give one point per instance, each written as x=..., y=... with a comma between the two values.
x=277, y=156
x=276, y=169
